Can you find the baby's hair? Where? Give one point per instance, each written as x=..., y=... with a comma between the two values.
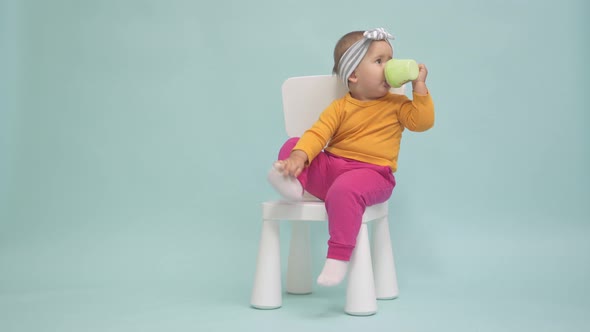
x=343, y=44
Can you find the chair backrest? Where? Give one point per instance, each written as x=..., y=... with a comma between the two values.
x=306, y=97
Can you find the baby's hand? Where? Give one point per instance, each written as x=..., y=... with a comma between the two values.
x=422, y=73
x=419, y=84
x=294, y=165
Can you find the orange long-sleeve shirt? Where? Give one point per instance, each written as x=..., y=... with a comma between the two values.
x=368, y=131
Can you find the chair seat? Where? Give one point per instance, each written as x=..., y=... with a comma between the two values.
x=312, y=211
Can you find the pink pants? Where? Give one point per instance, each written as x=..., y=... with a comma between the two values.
x=347, y=187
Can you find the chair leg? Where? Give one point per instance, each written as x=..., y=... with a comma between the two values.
x=266, y=293
x=360, y=293
x=384, y=267
x=299, y=273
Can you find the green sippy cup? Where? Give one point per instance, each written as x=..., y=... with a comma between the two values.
x=400, y=71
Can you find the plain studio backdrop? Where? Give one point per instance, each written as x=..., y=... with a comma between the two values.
x=135, y=138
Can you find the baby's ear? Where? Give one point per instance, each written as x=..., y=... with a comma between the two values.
x=353, y=78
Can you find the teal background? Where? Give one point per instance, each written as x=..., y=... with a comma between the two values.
x=135, y=137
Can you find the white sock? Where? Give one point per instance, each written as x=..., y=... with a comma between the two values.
x=289, y=187
x=333, y=272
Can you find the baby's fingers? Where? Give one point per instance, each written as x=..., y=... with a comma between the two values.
x=282, y=167
x=292, y=169
x=298, y=170
x=422, y=68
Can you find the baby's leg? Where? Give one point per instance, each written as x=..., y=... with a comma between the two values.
x=289, y=187
x=346, y=202
x=333, y=272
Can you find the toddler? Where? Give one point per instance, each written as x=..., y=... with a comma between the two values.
x=347, y=158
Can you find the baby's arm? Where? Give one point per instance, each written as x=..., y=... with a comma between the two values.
x=311, y=142
x=418, y=114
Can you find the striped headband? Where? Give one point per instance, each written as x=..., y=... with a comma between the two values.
x=355, y=53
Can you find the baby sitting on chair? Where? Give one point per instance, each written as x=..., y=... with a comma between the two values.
x=348, y=157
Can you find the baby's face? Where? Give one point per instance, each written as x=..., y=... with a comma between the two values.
x=370, y=76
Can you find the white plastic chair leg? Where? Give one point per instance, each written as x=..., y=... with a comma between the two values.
x=266, y=293
x=360, y=294
x=386, y=286
x=299, y=272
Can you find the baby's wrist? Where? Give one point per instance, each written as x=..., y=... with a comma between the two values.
x=419, y=87
x=299, y=154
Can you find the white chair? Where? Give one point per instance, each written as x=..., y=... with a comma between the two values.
x=370, y=276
